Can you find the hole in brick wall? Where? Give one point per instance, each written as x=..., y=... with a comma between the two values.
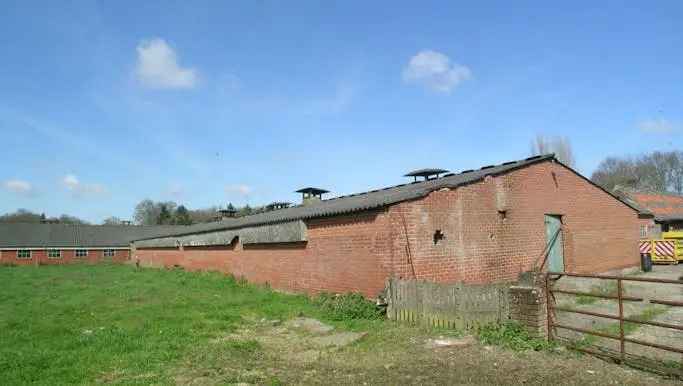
x=555, y=179
x=438, y=236
x=503, y=214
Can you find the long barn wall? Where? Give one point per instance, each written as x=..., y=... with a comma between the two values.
x=489, y=232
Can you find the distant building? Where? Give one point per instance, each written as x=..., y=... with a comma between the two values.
x=51, y=243
x=476, y=226
x=661, y=212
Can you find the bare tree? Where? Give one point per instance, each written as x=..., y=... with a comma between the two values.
x=112, y=221
x=67, y=219
x=203, y=215
x=558, y=145
x=676, y=176
x=657, y=172
x=613, y=172
x=146, y=212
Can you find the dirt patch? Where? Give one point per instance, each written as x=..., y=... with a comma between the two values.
x=302, y=340
x=310, y=325
x=442, y=342
x=339, y=339
x=390, y=353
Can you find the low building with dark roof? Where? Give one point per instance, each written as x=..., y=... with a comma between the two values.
x=34, y=243
x=477, y=226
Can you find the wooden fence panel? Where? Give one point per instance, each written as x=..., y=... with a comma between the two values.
x=447, y=305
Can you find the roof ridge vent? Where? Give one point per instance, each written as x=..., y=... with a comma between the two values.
x=311, y=195
x=467, y=171
x=487, y=167
x=427, y=173
x=278, y=205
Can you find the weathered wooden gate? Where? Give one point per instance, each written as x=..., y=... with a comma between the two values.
x=447, y=305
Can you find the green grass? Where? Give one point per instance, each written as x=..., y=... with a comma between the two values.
x=350, y=306
x=83, y=323
x=613, y=328
x=512, y=335
x=608, y=288
x=647, y=314
x=113, y=324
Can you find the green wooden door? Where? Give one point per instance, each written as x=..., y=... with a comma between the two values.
x=553, y=237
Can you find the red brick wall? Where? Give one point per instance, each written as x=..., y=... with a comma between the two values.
x=358, y=252
x=40, y=256
x=480, y=246
x=340, y=256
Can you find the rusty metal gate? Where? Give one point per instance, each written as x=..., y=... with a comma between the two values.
x=621, y=355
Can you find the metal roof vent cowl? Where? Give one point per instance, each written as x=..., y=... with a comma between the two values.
x=311, y=196
x=228, y=212
x=427, y=174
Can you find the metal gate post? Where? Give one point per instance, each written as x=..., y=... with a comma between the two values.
x=621, y=320
x=549, y=313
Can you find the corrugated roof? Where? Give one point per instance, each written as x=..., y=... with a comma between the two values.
x=32, y=235
x=366, y=200
x=625, y=195
x=664, y=206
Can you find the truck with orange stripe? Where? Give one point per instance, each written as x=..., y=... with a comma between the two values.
x=665, y=250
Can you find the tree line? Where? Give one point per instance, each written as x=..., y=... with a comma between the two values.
x=26, y=216
x=654, y=172
x=148, y=212
x=658, y=171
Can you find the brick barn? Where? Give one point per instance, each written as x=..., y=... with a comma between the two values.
x=477, y=226
x=39, y=244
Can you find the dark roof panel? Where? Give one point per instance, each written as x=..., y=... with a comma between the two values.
x=360, y=201
x=33, y=235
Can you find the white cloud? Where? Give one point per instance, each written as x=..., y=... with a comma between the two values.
x=435, y=71
x=78, y=189
x=658, y=126
x=157, y=66
x=71, y=182
x=242, y=190
x=18, y=187
x=175, y=190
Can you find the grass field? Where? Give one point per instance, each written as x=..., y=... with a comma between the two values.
x=118, y=325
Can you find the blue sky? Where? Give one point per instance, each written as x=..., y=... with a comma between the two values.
x=103, y=104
